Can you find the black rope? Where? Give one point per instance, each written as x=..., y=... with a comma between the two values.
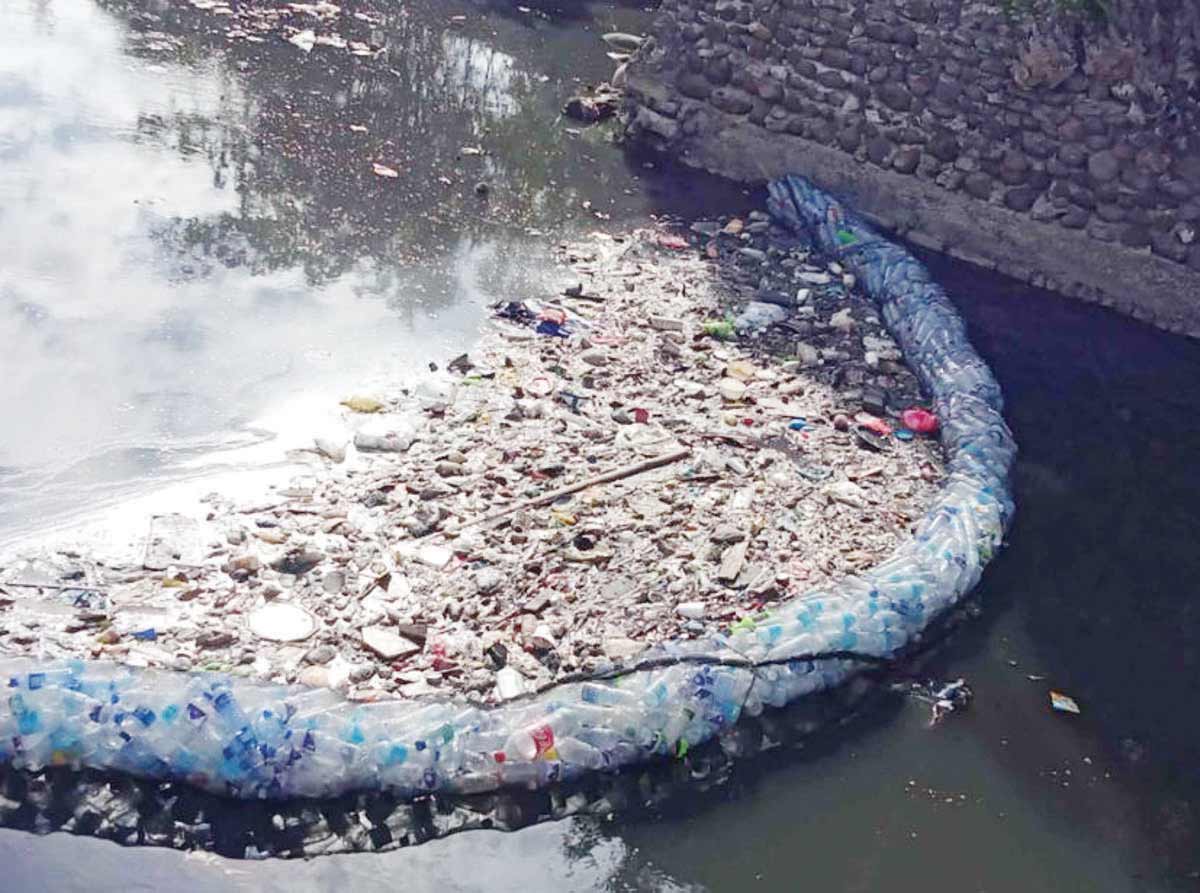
x=708, y=660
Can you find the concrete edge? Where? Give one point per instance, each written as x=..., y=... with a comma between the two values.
x=1138, y=283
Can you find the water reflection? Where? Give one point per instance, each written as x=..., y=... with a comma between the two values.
x=198, y=255
x=572, y=855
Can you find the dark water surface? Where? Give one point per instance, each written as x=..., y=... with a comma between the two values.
x=197, y=254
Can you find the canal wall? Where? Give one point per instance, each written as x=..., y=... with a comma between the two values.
x=1055, y=148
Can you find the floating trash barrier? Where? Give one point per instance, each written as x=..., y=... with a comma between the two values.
x=244, y=739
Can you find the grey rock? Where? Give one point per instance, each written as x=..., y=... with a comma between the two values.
x=621, y=648
x=732, y=561
x=895, y=96
x=414, y=632
x=1164, y=244
x=298, y=561
x=330, y=449
x=879, y=31
x=732, y=100
x=878, y=150
x=1075, y=218
x=322, y=654
x=488, y=580
x=382, y=443
x=907, y=159
x=832, y=80
x=978, y=185
x=215, y=639
x=1071, y=130
x=848, y=137
x=718, y=71
x=760, y=31
x=906, y=35
x=1037, y=145
x=820, y=130
x=1103, y=167
x=944, y=146
x=693, y=85
x=388, y=644
x=727, y=534
x=1136, y=235
x=835, y=57
x=1073, y=156
x=1020, y=199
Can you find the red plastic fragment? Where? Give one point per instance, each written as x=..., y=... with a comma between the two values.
x=922, y=421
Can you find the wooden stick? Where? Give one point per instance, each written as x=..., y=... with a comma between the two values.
x=61, y=587
x=380, y=582
x=607, y=478
x=748, y=440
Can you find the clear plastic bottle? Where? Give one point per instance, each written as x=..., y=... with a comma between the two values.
x=529, y=743
x=575, y=752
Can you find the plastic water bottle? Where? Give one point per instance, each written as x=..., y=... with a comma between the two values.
x=571, y=750
x=529, y=743
x=595, y=693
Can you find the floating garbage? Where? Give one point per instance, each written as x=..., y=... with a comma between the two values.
x=281, y=622
x=251, y=740
x=759, y=315
x=1063, y=703
x=943, y=698
x=919, y=421
x=363, y=404
x=720, y=328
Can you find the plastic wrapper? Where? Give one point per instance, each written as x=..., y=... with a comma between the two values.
x=244, y=739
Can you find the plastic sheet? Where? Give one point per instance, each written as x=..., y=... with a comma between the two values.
x=244, y=739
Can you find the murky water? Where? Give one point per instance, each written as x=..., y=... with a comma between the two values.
x=199, y=262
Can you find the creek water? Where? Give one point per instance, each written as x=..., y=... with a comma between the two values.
x=199, y=262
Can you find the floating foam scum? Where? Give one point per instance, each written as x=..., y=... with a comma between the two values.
x=245, y=739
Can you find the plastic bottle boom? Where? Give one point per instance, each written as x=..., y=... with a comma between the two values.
x=245, y=739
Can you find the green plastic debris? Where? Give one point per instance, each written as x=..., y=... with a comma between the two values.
x=720, y=328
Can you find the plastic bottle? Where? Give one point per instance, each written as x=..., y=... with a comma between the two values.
x=529, y=743
x=576, y=752
x=608, y=695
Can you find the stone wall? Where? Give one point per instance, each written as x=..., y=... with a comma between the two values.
x=1062, y=151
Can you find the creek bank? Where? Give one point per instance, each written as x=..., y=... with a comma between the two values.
x=1066, y=158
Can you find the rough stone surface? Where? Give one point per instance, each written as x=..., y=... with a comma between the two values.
x=1104, y=166
x=992, y=129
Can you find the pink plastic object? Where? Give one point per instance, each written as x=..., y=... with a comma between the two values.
x=920, y=420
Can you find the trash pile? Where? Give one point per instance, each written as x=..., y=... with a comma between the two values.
x=610, y=471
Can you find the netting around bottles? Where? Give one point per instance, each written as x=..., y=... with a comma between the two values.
x=245, y=739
